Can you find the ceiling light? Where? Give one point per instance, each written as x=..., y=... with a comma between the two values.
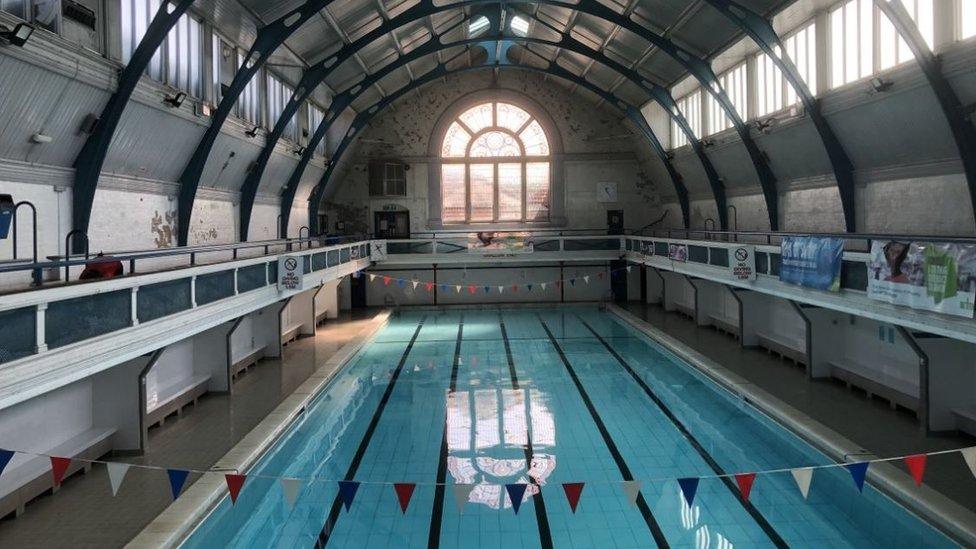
x=520, y=25
x=479, y=24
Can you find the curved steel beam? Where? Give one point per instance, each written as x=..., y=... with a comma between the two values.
x=88, y=164
x=423, y=9
x=269, y=38
x=345, y=98
x=952, y=108
x=761, y=31
x=363, y=118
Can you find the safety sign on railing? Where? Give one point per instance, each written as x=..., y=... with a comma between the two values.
x=290, y=273
x=743, y=263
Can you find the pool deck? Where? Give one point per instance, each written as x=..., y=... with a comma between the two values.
x=84, y=514
x=870, y=425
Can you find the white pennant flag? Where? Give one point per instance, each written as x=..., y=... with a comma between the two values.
x=501, y=289
x=415, y=284
x=631, y=489
x=458, y=288
x=116, y=472
x=628, y=268
x=586, y=279
x=290, y=487
x=543, y=285
x=969, y=454
x=372, y=277
x=461, y=493
x=803, y=477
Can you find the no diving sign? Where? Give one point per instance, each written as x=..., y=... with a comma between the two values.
x=290, y=275
x=743, y=264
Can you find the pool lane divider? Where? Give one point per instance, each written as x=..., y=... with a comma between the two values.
x=719, y=471
x=334, y=512
x=656, y=532
x=541, y=518
x=437, y=509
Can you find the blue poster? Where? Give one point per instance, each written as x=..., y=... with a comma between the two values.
x=811, y=261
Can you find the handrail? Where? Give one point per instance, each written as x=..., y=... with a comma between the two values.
x=651, y=224
x=715, y=235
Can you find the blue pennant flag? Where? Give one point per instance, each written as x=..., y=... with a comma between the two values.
x=443, y=287
x=401, y=282
x=688, y=487
x=177, y=477
x=487, y=289
x=5, y=456
x=572, y=281
x=529, y=286
x=858, y=471
x=515, y=493
x=347, y=491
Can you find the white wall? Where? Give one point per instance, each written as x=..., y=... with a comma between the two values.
x=46, y=421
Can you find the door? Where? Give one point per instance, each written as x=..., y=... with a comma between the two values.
x=357, y=288
x=615, y=222
x=391, y=224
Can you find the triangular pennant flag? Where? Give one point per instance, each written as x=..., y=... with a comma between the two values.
x=629, y=267
x=5, y=457
x=558, y=284
x=461, y=493
x=347, y=491
x=529, y=286
x=803, y=477
x=515, y=288
x=116, y=472
x=745, y=480
x=290, y=488
x=515, y=493
x=415, y=282
x=487, y=289
x=458, y=288
x=386, y=280
x=430, y=286
x=572, y=281
x=543, y=286
x=501, y=289
x=632, y=490
x=600, y=275
x=401, y=283
x=372, y=277
x=858, y=471
x=234, y=485
x=177, y=477
x=688, y=487
x=59, y=466
x=471, y=288
x=969, y=455
x=573, y=492
x=404, y=492
x=916, y=465
x=586, y=279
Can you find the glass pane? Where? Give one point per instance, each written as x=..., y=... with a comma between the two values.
x=452, y=193
x=495, y=143
x=537, y=191
x=511, y=117
x=478, y=118
x=482, y=191
x=509, y=192
x=455, y=141
x=968, y=16
x=535, y=140
x=837, y=47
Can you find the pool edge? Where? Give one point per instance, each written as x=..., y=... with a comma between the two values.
x=171, y=527
x=958, y=523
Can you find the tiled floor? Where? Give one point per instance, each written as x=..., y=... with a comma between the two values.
x=870, y=423
x=84, y=513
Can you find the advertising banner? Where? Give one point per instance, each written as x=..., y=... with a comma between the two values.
x=678, y=252
x=923, y=275
x=742, y=264
x=290, y=275
x=489, y=243
x=811, y=261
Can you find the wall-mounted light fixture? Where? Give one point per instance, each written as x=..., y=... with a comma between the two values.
x=41, y=138
x=18, y=36
x=299, y=151
x=175, y=101
x=880, y=84
x=253, y=132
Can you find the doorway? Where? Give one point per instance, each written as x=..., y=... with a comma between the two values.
x=391, y=224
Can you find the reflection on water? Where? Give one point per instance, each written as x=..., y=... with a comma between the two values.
x=488, y=432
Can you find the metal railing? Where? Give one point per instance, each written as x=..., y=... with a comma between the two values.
x=853, y=241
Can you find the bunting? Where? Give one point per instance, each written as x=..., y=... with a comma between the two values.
x=688, y=487
x=858, y=472
x=177, y=477
x=347, y=491
x=5, y=456
x=515, y=494
x=116, y=473
x=59, y=466
x=745, y=480
x=573, y=492
x=632, y=490
x=290, y=488
x=916, y=466
x=969, y=455
x=802, y=477
x=234, y=485
x=461, y=494
x=404, y=491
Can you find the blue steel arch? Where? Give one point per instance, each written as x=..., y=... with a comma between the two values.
x=359, y=122
x=88, y=164
x=317, y=73
x=343, y=99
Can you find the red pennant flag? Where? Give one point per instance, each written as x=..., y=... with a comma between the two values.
x=471, y=289
x=916, y=465
x=515, y=287
x=234, y=485
x=573, y=492
x=59, y=466
x=558, y=284
x=600, y=275
x=404, y=491
x=386, y=281
x=430, y=286
x=745, y=480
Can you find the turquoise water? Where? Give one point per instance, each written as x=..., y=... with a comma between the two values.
x=542, y=397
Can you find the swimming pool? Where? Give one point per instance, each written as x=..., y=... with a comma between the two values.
x=542, y=397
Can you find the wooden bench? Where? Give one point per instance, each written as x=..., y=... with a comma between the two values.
x=725, y=324
x=27, y=477
x=174, y=397
x=892, y=384
x=290, y=334
x=249, y=359
x=687, y=310
x=785, y=347
x=966, y=419
x=321, y=316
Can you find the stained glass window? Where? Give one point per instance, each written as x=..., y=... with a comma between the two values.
x=495, y=167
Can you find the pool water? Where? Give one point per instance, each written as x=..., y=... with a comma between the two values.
x=542, y=397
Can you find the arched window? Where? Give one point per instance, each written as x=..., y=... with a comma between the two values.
x=495, y=167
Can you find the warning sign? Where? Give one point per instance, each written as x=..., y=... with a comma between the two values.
x=290, y=273
x=743, y=262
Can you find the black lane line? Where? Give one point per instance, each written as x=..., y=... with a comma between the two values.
x=437, y=510
x=541, y=518
x=645, y=510
x=334, y=515
x=746, y=504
